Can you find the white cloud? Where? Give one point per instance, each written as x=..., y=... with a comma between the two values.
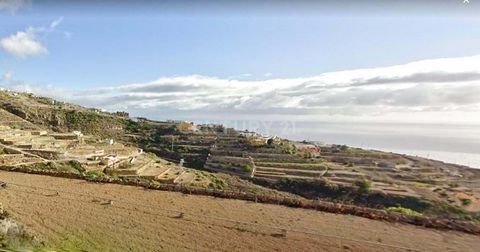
x=27, y=43
x=13, y=5
x=23, y=44
x=439, y=89
x=56, y=23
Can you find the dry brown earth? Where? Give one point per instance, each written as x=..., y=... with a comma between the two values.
x=65, y=212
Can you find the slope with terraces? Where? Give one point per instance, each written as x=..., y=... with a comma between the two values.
x=39, y=130
x=257, y=158
x=46, y=150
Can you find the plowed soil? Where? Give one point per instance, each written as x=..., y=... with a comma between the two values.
x=107, y=217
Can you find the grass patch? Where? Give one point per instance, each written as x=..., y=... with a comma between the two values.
x=404, y=211
x=68, y=167
x=217, y=183
x=95, y=174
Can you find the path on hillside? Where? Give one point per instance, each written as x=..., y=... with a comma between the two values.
x=65, y=211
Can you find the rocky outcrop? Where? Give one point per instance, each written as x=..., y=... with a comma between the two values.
x=15, y=110
x=8, y=227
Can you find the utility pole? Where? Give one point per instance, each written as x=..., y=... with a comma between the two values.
x=172, y=142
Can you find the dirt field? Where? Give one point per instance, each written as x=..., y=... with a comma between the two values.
x=67, y=213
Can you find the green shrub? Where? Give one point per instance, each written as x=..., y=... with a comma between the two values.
x=132, y=126
x=217, y=183
x=466, y=202
x=247, y=168
x=363, y=185
x=77, y=166
x=95, y=174
x=404, y=211
x=44, y=166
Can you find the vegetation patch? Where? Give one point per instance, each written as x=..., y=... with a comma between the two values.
x=404, y=211
x=92, y=123
x=95, y=174
x=363, y=185
x=247, y=168
x=466, y=202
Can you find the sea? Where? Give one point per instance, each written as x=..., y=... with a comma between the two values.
x=451, y=143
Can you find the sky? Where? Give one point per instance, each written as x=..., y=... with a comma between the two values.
x=354, y=61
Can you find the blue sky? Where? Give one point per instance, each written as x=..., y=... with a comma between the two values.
x=94, y=46
x=116, y=46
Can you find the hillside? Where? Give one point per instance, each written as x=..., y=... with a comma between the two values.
x=27, y=110
x=42, y=136
x=330, y=172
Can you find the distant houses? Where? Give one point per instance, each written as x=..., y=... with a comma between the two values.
x=310, y=148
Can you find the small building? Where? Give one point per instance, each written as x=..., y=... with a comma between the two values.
x=247, y=133
x=39, y=133
x=312, y=149
x=97, y=155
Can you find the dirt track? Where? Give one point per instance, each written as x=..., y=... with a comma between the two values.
x=65, y=212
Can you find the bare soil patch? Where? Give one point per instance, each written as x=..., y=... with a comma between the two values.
x=109, y=217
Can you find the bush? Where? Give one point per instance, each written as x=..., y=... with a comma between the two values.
x=132, y=126
x=95, y=174
x=217, y=183
x=363, y=185
x=247, y=168
x=466, y=202
x=77, y=166
x=404, y=211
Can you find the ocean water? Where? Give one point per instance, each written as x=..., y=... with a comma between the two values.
x=450, y=143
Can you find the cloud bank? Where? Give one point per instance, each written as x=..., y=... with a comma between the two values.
x=444, y=89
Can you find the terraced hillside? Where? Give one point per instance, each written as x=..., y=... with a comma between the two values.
x=338, y=172
x=75, y=153
x=174, y=141
x=331, y=172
